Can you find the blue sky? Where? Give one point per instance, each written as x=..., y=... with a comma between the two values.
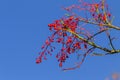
x=23, y=29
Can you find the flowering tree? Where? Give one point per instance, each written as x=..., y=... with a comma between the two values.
x=76, y=33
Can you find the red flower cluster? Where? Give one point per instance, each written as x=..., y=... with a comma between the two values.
x=70, y=23
x=99, y=11
x=70, y=43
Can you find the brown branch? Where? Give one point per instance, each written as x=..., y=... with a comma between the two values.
x=92, y=43
x=95, y=23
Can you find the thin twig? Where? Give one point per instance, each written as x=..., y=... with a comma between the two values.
x=97, y=33
x=110, y=40
x=84, y=56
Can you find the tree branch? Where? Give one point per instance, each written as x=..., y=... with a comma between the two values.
x=92, y=43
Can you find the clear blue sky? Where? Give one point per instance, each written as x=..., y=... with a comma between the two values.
x=23, y=29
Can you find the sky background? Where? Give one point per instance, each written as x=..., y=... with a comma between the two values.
x=23, y=30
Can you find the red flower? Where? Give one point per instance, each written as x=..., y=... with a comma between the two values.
x=77, y=45
x=60, y=64
x=104, y=17
x=38, y=60
x=69, y=40
x=59, y=40
x=109, y=15
x=68, y=50
x=47, y=42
